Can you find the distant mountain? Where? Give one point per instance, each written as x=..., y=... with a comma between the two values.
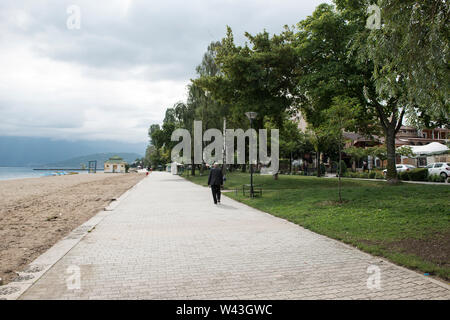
x=30, y=152
x=75, y=163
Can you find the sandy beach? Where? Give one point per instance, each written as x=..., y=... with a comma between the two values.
x=36, y=213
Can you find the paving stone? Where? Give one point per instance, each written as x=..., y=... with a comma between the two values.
x=167, y=240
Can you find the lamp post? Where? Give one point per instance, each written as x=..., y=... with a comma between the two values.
x=251, y=116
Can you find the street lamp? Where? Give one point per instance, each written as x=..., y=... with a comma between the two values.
x=251, y=116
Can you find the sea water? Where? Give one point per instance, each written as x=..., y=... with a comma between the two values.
x=9, y=173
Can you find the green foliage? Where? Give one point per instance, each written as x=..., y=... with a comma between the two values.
x=293, y=142
x=404, y=175
x=379, y=176
x=355, y=153
x=418, y=174
x=405, y=151
x=378, y=151
x=325, y=71
x=343, y=168
x=435, y=178
x=327, y=63
x=256, y=77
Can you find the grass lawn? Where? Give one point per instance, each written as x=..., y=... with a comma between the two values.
x=408, y=224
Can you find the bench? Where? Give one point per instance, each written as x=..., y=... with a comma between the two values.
x=257, y=190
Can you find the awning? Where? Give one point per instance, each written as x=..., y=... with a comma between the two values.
x=429, y=149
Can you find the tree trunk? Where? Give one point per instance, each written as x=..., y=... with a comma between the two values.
x=391, y=175
x=192, y=166
x=290, y=163
x=340, y=173
x=318, y=164
x=244, y=168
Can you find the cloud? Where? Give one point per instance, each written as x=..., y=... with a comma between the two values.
x=117, y=74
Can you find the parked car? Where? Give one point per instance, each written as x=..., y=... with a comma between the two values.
x=401, y=168
x=439, y=168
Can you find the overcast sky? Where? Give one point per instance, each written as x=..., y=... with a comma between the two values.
x=117, y=73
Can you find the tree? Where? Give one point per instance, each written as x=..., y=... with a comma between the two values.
x=393, y=58
x=355, y=153
x=147, y=159
x=291, y=139
x=257, y=77
x=319, y=140
x=379, y=152
x=324, y=72
x=160, y=138
x=415, y=36
x=156, y=136
x=339, y=117
x=405, y=151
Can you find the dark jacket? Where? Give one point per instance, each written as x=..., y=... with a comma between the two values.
x=215, y=177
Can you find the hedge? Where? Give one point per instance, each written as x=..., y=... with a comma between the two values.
x=419, y=174
x=403, y=175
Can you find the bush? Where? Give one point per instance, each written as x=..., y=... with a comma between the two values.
x=419, y=174
x=436, y=178
x=372, y=175
x=364, y=175
x=379, y=176
x=403, y=175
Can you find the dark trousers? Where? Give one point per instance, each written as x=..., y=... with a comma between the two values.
x=216, y=193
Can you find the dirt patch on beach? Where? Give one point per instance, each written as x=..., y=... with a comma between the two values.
x=36, y=213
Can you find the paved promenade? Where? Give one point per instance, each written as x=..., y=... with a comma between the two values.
x=167, y=240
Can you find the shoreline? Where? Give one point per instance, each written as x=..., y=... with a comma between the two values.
x=37, y=177
x=39, y=173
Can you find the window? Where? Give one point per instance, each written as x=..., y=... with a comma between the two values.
x=438, y=165
x=429, y=166
x=421, y=162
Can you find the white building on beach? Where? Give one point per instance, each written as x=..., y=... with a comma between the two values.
x=115, y=165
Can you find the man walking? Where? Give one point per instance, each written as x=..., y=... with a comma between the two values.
x=215, y=180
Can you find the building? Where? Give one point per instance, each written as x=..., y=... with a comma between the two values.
x=433, y=141
x=115, y=165
x=412, y=137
